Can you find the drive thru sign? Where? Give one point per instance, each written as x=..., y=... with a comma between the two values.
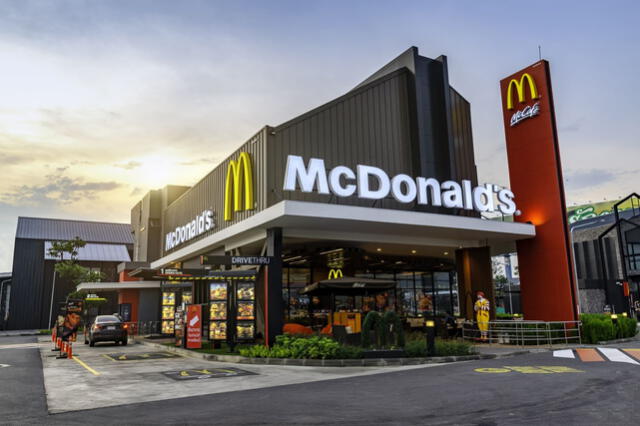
x=194, y=326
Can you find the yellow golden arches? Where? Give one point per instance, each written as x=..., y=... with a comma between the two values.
x=519, y=85
x=335, y=273
x=238, y=184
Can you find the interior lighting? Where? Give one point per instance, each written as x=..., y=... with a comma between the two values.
x=446, y=253
x=378, y=249
x=413, y=252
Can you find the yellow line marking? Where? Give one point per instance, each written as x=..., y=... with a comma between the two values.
x=94, y=372
x=109, y=358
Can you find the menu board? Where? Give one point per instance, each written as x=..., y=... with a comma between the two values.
x=245, y=311
x=187, y=297
x=168, y=312
x=168, y=327
x=218, y=330
x=245, y=330
x=218, y=311
x=245, y=315
x=218, y=291
x=168, y=298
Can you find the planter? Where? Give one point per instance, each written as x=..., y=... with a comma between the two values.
x=384, y=353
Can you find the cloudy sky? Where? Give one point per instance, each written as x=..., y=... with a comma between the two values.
x=101, y=101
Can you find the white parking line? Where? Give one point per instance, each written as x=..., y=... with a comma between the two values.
x=564, y=353
x=616, y=355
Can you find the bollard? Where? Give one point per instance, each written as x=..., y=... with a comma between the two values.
x=431, y=337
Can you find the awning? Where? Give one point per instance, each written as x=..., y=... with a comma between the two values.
x=113, y=286
x=95, y=252
x=348, y=284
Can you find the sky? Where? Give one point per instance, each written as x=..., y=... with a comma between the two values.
x=101, y=101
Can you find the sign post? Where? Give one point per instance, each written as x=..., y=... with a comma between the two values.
x=194, y=327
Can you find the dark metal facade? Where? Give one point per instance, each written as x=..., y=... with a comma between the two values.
x=405, y=118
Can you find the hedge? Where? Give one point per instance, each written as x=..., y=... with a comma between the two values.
x=600, y=327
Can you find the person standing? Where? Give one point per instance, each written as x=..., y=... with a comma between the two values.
x=482, y=307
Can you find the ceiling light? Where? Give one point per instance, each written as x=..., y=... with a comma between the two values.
x=378, y=249
x=413, y=252
x=446, y=253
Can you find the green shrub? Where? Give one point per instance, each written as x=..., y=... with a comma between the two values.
x=599, y=327
x=286, y=346
x=349, y=352
x=418, y=348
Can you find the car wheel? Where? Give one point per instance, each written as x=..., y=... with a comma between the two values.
x=92, y=343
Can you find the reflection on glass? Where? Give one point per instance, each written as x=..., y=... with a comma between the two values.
x=442, y=284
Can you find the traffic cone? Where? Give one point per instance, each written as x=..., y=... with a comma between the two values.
x=53, y=334
x=58, y=342
x=70, y=350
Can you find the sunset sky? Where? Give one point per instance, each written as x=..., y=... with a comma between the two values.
x=101, y=101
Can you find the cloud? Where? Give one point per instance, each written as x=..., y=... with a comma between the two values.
x=197, y=162
x=136, y=191
x=130, y=165
x=57, y=191
x=580, y=179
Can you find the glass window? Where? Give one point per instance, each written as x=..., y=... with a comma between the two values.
x=298, y=304
x=406, y=293
x=424, y=293
x=442, y=284
x=385, y=300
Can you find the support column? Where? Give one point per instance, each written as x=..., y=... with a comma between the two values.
x=274, y=310
x=474, y=274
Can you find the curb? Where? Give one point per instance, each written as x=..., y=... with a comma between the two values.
x=625, y=340
x=364, y=362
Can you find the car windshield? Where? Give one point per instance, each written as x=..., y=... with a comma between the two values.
x=107, y=318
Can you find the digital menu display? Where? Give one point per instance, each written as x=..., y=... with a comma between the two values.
x=245, y=330
x=218, y=330
x=245, y=311
x=218, y=311
x=218, y=291
x=246, y=292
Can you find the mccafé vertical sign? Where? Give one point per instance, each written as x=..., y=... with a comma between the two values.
x=535, y=171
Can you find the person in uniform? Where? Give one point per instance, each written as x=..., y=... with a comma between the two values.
x=482, y=315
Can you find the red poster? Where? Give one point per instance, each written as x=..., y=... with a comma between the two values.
x=194, y=326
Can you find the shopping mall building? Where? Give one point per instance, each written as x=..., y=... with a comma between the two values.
x=379, y=183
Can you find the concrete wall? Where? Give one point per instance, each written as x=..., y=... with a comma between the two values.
x=591, y=300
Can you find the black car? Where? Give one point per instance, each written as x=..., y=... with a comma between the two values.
x=106, y=328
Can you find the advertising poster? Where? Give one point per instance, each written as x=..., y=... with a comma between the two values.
x=194, y=327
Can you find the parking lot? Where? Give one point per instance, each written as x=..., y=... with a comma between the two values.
x=108, y=375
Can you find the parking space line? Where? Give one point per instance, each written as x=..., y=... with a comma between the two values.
x=589, y=355
x=91, y=370
x=109, y=358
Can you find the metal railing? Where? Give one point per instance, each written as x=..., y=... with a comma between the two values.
x=525, y=333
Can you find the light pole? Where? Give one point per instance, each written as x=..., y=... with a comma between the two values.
x=575, y=261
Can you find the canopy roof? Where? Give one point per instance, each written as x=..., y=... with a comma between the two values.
x=348, y=284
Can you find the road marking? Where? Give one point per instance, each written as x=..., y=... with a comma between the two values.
x=94, y=372
x=617, y=355
x=589, y=355
x=20, y=346
x=4, y=365
x=564, y=353
x=633, y=352
x=537, y=369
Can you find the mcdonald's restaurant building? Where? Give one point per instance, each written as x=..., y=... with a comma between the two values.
x=378, y=184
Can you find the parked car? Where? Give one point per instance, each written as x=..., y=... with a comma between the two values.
x=106, y=328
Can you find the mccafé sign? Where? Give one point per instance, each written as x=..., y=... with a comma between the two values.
x=199, y=225
x=526, y=81
x=342, y=181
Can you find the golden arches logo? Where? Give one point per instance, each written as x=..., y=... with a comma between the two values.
x=239, y=184
x=335, y=273
x=520, y=87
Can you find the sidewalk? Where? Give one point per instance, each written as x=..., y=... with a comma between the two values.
x=13, y=333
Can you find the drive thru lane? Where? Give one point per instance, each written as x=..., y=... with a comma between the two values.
x=22, y=398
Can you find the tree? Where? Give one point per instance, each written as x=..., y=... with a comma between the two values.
x=67, y=267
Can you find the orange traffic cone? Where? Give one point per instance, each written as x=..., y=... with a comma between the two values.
x=69, y=351
x=58, y=342
x=53, y=334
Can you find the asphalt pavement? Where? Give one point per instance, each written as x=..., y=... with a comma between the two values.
x=529, y=389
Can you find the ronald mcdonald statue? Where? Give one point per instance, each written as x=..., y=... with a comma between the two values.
x=482, y=315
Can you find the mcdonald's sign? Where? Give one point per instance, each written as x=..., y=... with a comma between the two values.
x=520, y=89
x=335, y=273
x=238, y=185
